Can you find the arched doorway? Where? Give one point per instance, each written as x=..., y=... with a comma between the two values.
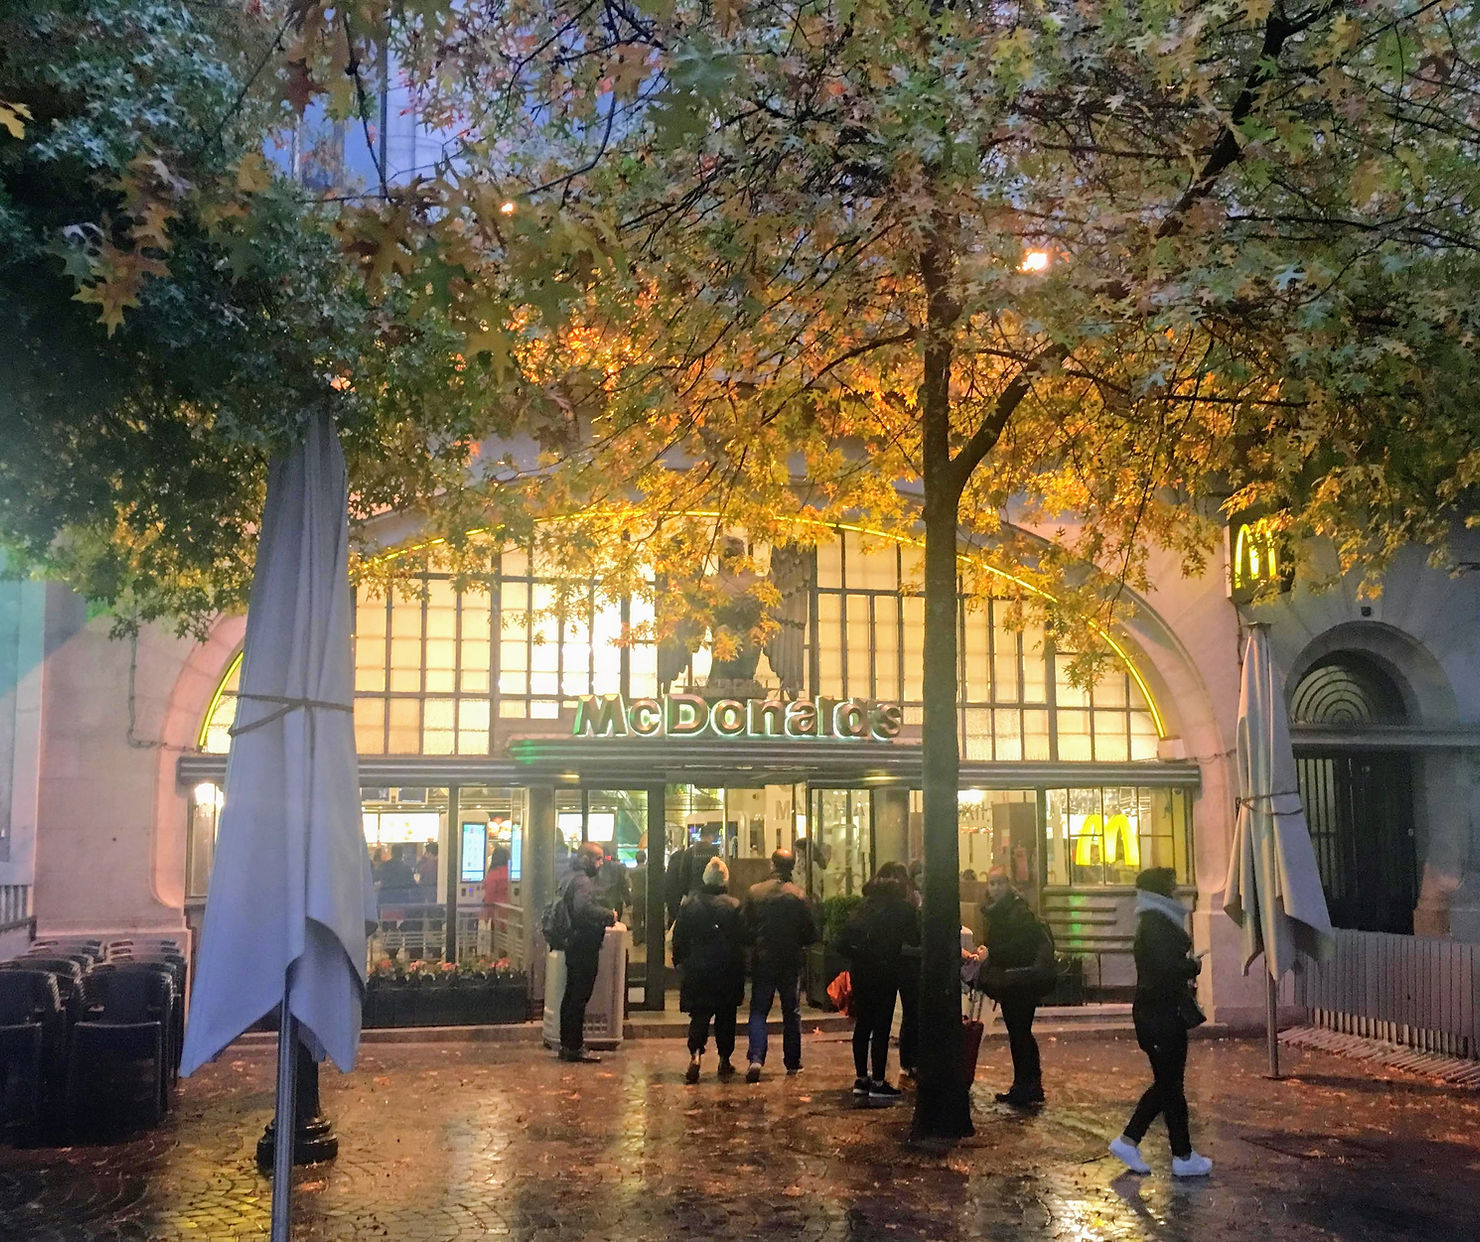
x=1358, y=798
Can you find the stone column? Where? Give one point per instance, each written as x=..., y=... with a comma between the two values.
x=538, y=881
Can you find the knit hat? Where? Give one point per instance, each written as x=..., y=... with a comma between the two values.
x=716, y=874
x=1160, y=880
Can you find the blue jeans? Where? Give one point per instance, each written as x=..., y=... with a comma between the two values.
x=769, y=982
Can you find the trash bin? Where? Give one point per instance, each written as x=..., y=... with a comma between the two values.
x=607, y=1009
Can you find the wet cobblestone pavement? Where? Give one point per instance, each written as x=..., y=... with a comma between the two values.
x=465, y=1141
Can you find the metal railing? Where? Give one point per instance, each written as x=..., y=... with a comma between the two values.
x=15, y=906
x=1412, y=990
x=416, y=932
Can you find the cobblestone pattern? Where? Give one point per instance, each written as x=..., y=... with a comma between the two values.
x=442, y=1142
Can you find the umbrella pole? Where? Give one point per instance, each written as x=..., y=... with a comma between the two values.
x=1271, y=988
x=286, y=1127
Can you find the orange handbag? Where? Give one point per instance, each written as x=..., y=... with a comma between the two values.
x=840, y=992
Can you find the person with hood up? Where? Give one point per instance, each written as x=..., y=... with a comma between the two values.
x=1165, y=970
x=874, y=941
x=709, y=939
x=1019, y=968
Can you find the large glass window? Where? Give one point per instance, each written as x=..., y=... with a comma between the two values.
x=1105, y=836
x=437, y=670
x=1016, y=702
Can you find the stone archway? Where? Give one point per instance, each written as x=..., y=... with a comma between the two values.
x=1358, y=796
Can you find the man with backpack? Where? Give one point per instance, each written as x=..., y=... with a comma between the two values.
x=576, y=921
x=1019, y=971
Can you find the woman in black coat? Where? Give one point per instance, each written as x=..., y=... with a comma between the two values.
x=709, y=939
x=1165, y=969
x=874, y=942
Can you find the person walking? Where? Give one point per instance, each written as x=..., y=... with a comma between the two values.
x=874, y=941
x=709, y=939
x=1018, y=970
x=781, y=924
x=1165, y=970
x=589, y=919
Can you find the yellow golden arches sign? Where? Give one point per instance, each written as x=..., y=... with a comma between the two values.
x=1107, y=841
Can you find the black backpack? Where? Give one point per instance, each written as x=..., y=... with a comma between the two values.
x=555, y=921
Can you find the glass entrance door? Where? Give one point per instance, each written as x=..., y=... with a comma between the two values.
x=838, y=852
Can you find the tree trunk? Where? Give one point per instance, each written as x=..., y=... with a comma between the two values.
x=943, y=1101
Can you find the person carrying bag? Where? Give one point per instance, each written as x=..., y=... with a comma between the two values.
x=1165, y=1010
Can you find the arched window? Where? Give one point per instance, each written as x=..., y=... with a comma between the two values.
x=438, y=672
x=1347, y=691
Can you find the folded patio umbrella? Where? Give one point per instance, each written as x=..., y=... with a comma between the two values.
x=1274, y=886
x=291, y=891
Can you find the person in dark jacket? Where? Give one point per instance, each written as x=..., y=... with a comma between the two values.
x=1165, y=971
x=685, y=872
x=909, y=990
x=781, y=924
x=589, y=919
x=1019, y=959
x=709, y=940
x=874, y=941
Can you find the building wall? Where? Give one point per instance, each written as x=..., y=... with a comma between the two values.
x=110, y=843
x=104, y=802
x=1424, y=630
x=22, y=668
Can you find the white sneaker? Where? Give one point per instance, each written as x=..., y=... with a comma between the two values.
x=1129, y=1154
x=1191, y=1165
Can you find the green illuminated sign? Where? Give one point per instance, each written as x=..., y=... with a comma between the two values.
x=688, y=715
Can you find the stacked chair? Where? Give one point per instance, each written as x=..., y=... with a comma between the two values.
x=90, y=1033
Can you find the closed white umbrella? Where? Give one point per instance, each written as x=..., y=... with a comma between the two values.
x=291, y=889
x=1274, y=886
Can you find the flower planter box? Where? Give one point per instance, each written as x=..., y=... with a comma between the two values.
x=452, y=1001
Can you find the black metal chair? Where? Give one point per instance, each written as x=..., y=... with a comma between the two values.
x=127, y=1023
x=33, y=1033
x=68, y=973
x=175, y=1036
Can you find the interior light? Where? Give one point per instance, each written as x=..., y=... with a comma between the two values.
x=209, y=794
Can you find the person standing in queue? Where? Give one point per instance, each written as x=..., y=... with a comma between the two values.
x=909, y=993
x=589, y=919
x=781, y=924
x=685, y=872
x=709, y=941
x=1165, y=969
x=874, y=941
x=1018, y=970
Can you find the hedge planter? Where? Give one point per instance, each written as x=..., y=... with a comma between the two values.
x=452, y=1001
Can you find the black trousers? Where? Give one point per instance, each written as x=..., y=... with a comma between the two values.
x=1163, y=1038
x=873, y=1015
x=724, y=1030
x=1017, y=1016
x=581, y=962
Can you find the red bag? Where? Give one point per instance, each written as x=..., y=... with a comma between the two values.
x=971, y=1038
x=840, y=992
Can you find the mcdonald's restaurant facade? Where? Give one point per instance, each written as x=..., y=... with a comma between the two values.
x=504, y=725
